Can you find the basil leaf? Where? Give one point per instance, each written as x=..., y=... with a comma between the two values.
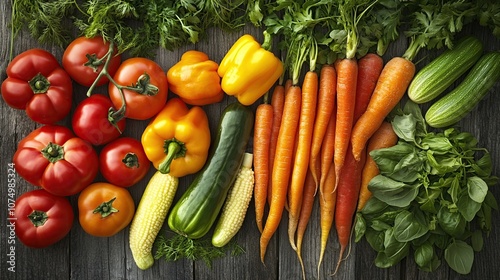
x=459, y=256
x=374, y=206
x=443, y=164
x=483, y=166
x=379, y=225
x=407, y=169
x=408, y=226
x=438, y=144
x=388, y=158
x=477, y=189
x=413, y=109
x=451, y=222
x=424, y=254
x=454, y=189
x=359, y=227
x=468, y=207
x=477, y=241
x=393, y=253
x=392, y=192
x=491, y=201
x=404, y=127
x=375, y=239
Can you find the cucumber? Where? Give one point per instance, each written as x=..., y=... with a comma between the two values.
x=434, y=78
x=461, y=100
x=195, y=212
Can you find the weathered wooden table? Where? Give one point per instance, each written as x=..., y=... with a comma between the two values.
x=81, y=256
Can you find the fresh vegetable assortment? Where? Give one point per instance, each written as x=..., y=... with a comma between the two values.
x=332, y=129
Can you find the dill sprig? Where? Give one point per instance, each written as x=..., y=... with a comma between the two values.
x=179, y=247
x=45, y=20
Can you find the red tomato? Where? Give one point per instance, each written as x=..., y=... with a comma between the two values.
x=53, y=158
x=145, y=88
x=84, y=59
x=38, y=84
x=105, y=209
x=42, y=218
x=123, y=162
x=93, y=121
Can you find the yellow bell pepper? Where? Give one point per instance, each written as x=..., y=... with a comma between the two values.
x=195, y=79
x=177, y=140
x=249, y=70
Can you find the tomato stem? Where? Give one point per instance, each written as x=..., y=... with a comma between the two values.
x=53, y=152
x=39, y=84
x=173, y=149
x=115, y=116
x=106, y=208
x=38, y=218
x=130, y=160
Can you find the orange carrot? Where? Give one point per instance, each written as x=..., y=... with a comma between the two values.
x=327, y=203
x=305, y=214
x=282, y=165
x=277, y=101
x=302, y=154
x=391, y=87
x=288, y=84
x=369, y=68
x=347, y=198
x=327, y=149
x=384, y=137
x=261, y=144
x=326, y=101
x=347, y=73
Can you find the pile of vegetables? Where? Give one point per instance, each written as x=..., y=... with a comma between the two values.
x=326, y=126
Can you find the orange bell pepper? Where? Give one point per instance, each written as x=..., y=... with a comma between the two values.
x=177, y=140
x=195, y=79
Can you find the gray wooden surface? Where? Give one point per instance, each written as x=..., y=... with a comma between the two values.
x=81, y=256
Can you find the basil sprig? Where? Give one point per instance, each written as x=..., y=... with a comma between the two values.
x=431, y=197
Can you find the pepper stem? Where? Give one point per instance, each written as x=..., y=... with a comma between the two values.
x=106, y=208
x=173, y=149
x=38, y=218
x=267, y=41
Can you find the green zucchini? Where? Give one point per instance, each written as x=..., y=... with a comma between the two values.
x=434, y=78
x=195, y=212
x=461, y=100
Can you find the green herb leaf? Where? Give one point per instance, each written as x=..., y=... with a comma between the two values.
x=359, y=227
x=477, y=240
x=477, y=189
x=459, y=256
x=404, y=126
x=468, y=207
x=394, y=251
x=392, y=192
x=409, y=226
x=424, y=254
x=451, y=222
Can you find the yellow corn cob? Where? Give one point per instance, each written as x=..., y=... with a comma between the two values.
x=149, y=217
x=236, y=204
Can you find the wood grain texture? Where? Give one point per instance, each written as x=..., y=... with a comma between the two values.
x=81, y=256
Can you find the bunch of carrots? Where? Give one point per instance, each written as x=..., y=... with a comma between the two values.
x=304, y=142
